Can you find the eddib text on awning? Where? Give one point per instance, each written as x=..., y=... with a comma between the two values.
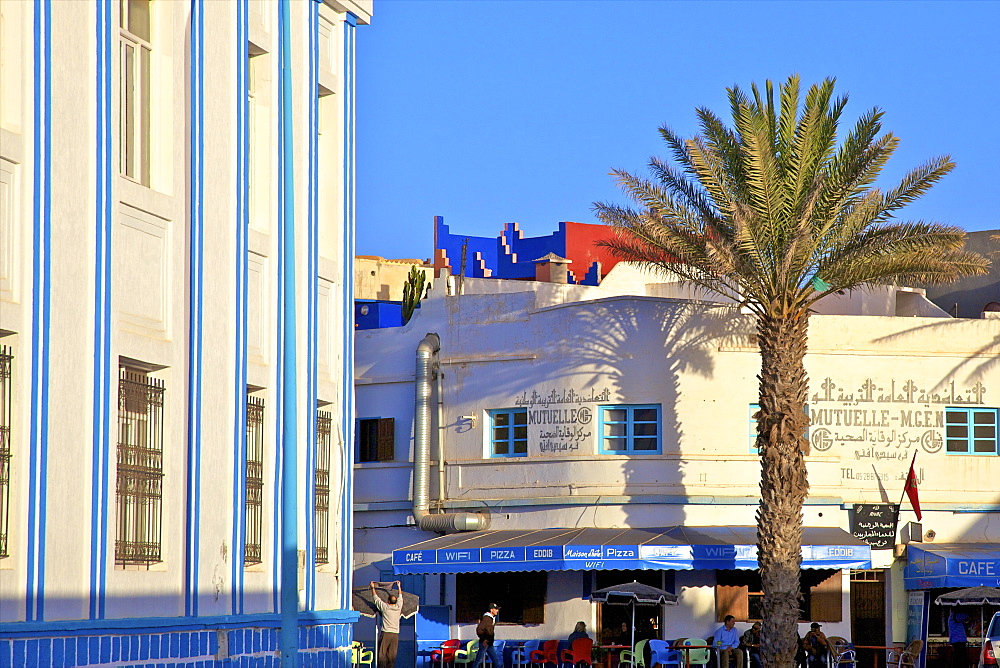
x=669, y=548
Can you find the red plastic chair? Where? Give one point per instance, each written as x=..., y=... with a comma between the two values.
x=549, y=653
x=579, y=652
x=446, y=653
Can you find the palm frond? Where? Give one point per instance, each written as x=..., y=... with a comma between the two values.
x=754, y=208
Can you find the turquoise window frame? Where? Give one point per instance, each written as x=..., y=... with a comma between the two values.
x=627, y=428
x=511, y=440
x=753, y=426
x=980, y=430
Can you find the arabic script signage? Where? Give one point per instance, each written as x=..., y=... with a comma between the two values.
x=560, y=418
x=884, y=420
x=875, y=523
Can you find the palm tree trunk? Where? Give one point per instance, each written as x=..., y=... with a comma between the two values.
x=781, y=428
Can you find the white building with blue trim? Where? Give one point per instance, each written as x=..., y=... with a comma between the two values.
x=176, y=284
x=527, y=442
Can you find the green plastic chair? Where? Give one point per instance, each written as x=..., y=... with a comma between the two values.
x=698, y=657
x=361, y=656
x=635, y=658
x=467, y=656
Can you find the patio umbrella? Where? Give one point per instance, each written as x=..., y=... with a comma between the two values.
x=972, y=596
x=633, y=594
x=362, y=601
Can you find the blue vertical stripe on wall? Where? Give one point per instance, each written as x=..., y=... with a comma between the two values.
x=279, y=387
x=312, y=277
x=102, y=316
x=289, y=435
x=195, y=310
x=40, y=293
x=347, y=299
x=240, y=347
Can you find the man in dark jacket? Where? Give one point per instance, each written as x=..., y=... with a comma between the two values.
x=485, y=632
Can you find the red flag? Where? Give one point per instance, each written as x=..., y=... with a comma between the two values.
x=910, y=488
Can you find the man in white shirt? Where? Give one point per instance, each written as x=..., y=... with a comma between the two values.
x=388, y=644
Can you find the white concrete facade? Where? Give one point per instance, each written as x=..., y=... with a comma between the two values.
x=160, y=173
x=881, y=379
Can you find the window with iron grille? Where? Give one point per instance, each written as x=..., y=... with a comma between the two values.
x=321, y=486
x=139, y=476
x=254, y=492
x=6, y=362
x=376, y=439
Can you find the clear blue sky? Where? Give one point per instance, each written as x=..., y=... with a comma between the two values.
x=487, y=112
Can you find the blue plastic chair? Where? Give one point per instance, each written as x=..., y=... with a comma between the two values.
x=662, y=653
x=522, y=655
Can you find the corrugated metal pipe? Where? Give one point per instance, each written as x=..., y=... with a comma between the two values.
x=427, y=350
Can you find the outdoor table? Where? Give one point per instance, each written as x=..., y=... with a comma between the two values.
x=611, y=648
x=897, y=646
x=441, y=648
x=515, y=655
x=687, y=656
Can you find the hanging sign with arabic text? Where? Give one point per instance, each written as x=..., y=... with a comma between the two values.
x=875, y=523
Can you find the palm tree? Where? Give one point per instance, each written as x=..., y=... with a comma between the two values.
x=774, y=214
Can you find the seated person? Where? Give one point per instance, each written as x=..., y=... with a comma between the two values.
x=727, y=641
x=816, y=646
x=579, y=632
x=751, y=643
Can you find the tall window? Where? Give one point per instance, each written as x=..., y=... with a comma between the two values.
x=321, y=485
x=630, y=429
x=254, y=501
x=376, y=440
x=139, y=481
x=134, y=86
x=509, y=432
x=6, y=360
x=971, y=431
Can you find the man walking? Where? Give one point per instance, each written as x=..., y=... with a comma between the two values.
x=486, y=636
x=727, y=641
x=389, y=613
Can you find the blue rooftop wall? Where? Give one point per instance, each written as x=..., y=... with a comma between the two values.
x=517, y=253
x=510, y=255
x=486, y=247
x=372, y=314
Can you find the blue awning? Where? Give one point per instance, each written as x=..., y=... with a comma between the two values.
x=952, y=565
x=670, y=548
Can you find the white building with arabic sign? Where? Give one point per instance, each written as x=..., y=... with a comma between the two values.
x=527, y=442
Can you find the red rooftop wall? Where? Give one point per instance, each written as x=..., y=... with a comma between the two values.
x=581, y=249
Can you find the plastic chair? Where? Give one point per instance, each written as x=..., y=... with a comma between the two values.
x=549, y=653
x=467, y=656
x=361, y=656
x=662, y=653
x=446, y=653
x=843, y=652
x=636, y=657
x=905, y=658
x=695, y=657
x=579, y=652
x=848, y=658
x=522, y=655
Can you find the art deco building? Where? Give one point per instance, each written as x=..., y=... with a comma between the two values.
x=176, y=216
